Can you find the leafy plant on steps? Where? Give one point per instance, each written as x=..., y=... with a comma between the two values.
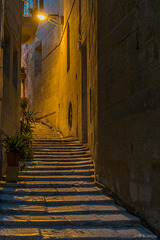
x=28, y=119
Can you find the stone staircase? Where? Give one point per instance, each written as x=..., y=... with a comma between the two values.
x=56, y=198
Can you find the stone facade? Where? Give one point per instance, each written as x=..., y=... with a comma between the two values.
x=11, y=66
x=56, y=92
x=128, y=103
x=10, y=58
x=1, y=54
x=97, y=79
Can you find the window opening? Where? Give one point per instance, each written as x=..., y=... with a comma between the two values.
x=68, y=48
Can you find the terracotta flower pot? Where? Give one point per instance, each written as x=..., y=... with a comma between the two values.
x=23, y=75
x=13, y=158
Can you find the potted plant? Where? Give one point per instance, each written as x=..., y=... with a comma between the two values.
x=16, y=149
x=28, y=119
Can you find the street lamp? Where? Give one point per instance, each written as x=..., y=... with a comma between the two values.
x=51, y=18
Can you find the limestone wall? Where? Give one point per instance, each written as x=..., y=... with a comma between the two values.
x=128, y=103
x=10, y=57
x=69, y=70
x=1, y=55
x=11, y=66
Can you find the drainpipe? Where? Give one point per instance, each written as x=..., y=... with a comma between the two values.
x=1, y=161
x=1, y=75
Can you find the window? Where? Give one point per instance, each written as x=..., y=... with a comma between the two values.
x=28, y=5
x=40, y=5
x=70, y=116
x=15, y=69
x=6, y=54
x=68, y=48
x=90, y=96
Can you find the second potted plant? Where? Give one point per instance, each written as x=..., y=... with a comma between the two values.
x=16, y=149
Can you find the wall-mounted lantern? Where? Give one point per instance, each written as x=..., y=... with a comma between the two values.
x=51, y=18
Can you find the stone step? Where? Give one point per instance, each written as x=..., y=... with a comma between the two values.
x=59, y=167
x=60, y=142
x=60, y=160
x=7, y=208
x=56, y=149
x=63, y=147
x=55, y=178
x=48, y=184
x=58, y=163
x=61, y=154
x=51, y=191
x=56, y=200
x=58, y=145
x=60, y=149
x=76, y=233
x=60, y=172
x=110, y=220
x=48, y=133
x=50, y=152
x=68, y=139
x=57, y=155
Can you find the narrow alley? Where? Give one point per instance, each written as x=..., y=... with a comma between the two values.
x=56, y=198
x=79, y=119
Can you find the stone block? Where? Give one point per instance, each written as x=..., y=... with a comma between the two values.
x=145, y=194
x=134, y=191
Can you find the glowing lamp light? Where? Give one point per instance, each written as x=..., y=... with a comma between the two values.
x=41, y=16
x=51, y=18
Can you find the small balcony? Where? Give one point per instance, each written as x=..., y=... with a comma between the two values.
x=30, y=21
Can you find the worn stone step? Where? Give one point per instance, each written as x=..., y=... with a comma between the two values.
x=32, y=177
x=55, y=200
x=60, y=149
x=56, y=149
x=57, y=141
x=59, y=167
x=76, y=233
x=58, y=145
x=49, y=134
x=63, y=147
x=58, y=163
x=56, y=159
x=51, y=191
x=60, y=172
x=111, y=220
x=48, y=184
x=59, y=156
x=7, y=208
x=62, y=152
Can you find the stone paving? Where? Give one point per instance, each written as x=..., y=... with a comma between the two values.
x=56, y=198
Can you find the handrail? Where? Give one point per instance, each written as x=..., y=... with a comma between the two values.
x=46, y=115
